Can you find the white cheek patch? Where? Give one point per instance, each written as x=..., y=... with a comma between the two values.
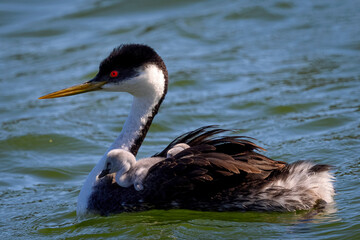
x=149, y=81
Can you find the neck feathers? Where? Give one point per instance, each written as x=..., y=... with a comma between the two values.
x=146, y=104
x=143, y=110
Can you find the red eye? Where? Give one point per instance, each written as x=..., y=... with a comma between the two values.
x=114, y=74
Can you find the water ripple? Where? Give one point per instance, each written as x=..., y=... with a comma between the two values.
x=286, y=73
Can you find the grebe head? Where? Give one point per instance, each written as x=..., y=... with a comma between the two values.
x=118, y=161
x=133, y=68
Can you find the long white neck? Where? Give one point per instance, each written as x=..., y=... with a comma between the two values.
x=145, y=106
x=140, y=114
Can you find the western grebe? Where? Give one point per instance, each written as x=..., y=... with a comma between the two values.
x=205, y=169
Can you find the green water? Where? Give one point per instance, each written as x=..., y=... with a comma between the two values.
x=284, y=72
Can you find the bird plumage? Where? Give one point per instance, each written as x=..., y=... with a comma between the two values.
x=206, y=169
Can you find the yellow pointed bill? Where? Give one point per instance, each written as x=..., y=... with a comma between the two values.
x=81, y=88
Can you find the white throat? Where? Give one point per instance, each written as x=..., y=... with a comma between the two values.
x=148, y=88
x=141, y=110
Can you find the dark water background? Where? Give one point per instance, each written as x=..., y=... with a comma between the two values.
x=284, y=72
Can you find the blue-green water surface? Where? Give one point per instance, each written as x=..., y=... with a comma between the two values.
x=284, y=72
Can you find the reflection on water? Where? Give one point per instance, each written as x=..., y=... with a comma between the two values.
x=190, y=223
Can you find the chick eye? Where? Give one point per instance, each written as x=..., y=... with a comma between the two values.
x=114, y=74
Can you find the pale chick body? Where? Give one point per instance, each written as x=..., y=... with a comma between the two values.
x=128, y=171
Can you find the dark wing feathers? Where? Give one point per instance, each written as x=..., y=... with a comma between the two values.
x=211, y=163
x=193, y=138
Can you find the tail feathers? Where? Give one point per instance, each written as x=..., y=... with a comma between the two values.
x=300, y=186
